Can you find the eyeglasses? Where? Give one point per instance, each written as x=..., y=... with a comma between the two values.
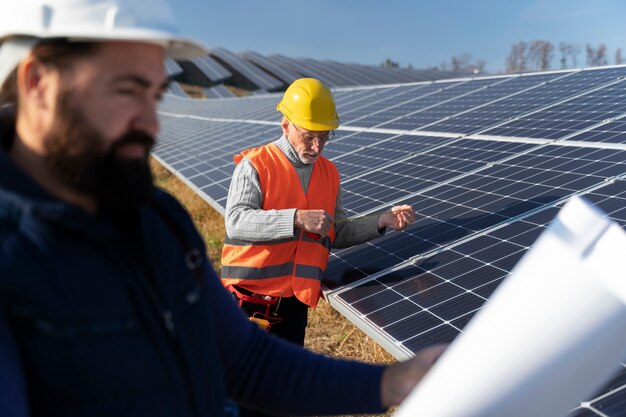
x=321, y=139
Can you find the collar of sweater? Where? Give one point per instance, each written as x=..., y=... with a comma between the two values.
x=285, y=146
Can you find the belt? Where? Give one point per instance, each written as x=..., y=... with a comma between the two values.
x=264, y=321
x=239, y=293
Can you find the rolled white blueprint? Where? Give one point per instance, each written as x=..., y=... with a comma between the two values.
x=549, y=336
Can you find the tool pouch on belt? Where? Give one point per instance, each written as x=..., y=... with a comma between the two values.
x=263, y=320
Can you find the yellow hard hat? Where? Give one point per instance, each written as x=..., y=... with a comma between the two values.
x=309, y=104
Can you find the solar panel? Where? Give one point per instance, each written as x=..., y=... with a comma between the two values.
x=421, y=119
x=613, y=131
x=432, y=298
x=218, y=91
x=486, y=163
x=361, y=75
x=401, y=178
x=570, y=116
x=248, y=108
x=172, y=67
x=211, y=68
x=333, y=77
x=260, y=91
x=426, y=96
x=481, y=199
x=257, y=76
x=563, y=86
x=300, y=68
x=285, y=74
x=176, y=89
x=354, y=112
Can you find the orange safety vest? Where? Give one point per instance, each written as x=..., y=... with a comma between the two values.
x=292, y=266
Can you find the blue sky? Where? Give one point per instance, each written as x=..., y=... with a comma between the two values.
x=422, y=33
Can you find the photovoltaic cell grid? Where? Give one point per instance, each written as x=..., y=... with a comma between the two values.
x=489, y=94
x=211, y=68
x=404, y=116
x=175, y=89
x=609, y=132
x=440, y=160
x=561, y=88
x=436, y=93
x=172, y=67
x=431, y=299
x=345, y=142
x=480, y=203
x=476, y=201
x=346, y=99
x=335, y=78
x=185, y=146
x=250, y=71
x=284, y=74
x=356, y=76
x=353, y=112
x=232, y=109
x=354, y=157
x=569, y=117
x=218, y=91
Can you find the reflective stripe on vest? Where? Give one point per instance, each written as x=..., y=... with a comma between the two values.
x=292, y=266
x=325, y=242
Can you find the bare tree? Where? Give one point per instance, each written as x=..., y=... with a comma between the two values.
x=388, y=63
x=461, y=62
x=618, y=57
x=517, y=59
x=480, y=65
x=601, y=54
x=596, y=56
x=465, y=63
x=590, y=55
x=574, y=55
x=569, y=54
x=540, y=55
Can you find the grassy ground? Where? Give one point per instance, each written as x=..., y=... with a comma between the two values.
x=328, y=331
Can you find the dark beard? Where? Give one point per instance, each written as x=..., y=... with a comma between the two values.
x=77, y=153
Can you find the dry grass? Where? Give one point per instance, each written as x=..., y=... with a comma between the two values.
x=195, y=91
x=208, y=221
x=328, y=331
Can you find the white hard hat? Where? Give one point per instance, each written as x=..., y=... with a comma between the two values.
x=25, y=22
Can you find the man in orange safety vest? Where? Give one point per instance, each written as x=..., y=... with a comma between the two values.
x=284, y=214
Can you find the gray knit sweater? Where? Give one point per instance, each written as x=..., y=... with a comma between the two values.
x=245, y=220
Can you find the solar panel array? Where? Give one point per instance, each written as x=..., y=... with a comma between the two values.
x=251, y=72
x=285, y=74
x=338, y=74
x=176, y=89
x=211, y=68
x=218, y=91
x=485, y=162
x=172, y=67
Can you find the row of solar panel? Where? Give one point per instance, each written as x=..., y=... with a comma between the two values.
x=577, y=105
x=481, y=199
x=430, y=299
x=276, y=72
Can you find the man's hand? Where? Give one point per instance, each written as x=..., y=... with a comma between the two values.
x=398, y=218
x=314, y=221
x=400, y=378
